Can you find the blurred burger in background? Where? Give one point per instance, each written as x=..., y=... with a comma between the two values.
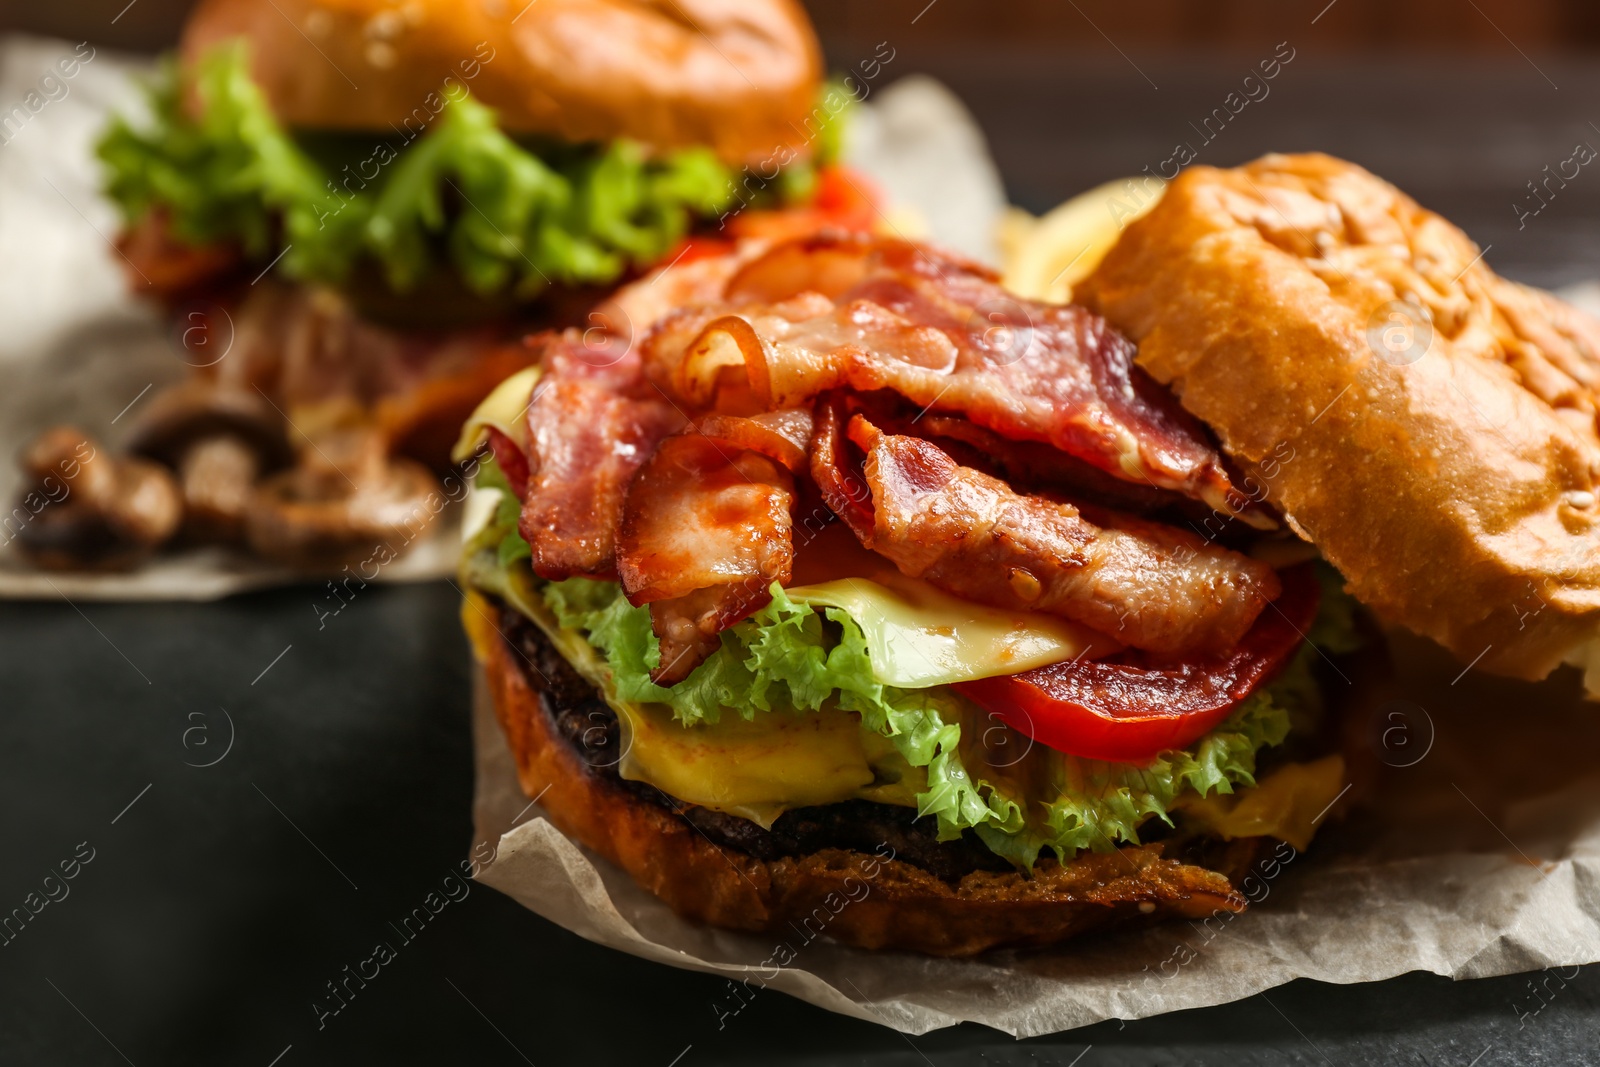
x=354, y=210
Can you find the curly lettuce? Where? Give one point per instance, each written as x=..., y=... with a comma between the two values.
x=464, y=195
x=783, y=659
x=789, y=656
x=1099, y=804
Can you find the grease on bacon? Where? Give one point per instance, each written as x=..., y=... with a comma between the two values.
x=871, y=313
x=1147, y=585
x=695, y=520
x=592, y=422
x=707, y=529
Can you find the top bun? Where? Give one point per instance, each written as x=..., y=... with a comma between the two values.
x=1428, y=425
x=738, y=75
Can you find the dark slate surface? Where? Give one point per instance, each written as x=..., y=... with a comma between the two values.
x=217, y=906
x=220, y=899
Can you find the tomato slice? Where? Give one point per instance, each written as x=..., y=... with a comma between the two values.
x=1129, y=709
x=843, y=199
x=698, y=246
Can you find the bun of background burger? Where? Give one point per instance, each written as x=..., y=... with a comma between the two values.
x=1448, y=467
x=737, y=75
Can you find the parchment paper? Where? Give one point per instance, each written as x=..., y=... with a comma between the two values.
x=1475, y=852
x=76, y=346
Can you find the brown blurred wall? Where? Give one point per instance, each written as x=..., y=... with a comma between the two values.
x=1388, y=25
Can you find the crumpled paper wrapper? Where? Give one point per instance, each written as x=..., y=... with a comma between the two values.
x=78, y=347
x=1476, y=852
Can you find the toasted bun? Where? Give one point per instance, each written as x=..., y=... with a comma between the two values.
x=738, y=75
x=858, y=898
x=1441, y=452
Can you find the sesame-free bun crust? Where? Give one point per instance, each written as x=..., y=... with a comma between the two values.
x=864, y=899
x=1452, y=482
x=738, y=75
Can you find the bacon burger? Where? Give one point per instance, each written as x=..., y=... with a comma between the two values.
x=355, y=210
x=855, y=570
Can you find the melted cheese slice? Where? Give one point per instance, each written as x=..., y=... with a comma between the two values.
x=918, y=636
x=756, y=769
x=502, y=409
x=1286, y=804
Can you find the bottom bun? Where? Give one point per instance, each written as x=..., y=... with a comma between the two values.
x=872, y=897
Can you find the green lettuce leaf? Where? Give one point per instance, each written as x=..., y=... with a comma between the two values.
x=464, y=193
x=500, y=533
x=1335, y=630
x=1100, y=803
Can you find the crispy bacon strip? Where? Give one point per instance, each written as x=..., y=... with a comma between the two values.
x=834, y=262
x=1033, y=466
x=592, y=422
x=1150, y=586
x=781, y=436
x=837, y=474
x=871, y=313
x=706, y=530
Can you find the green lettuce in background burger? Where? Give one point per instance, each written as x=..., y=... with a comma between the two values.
x=353, y=211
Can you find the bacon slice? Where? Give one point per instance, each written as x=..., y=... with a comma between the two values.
x=707, y=529
x=837, y=474
x=512, y=461
x=871, y=313
x=833, y=263
x=690, y=278
x=592, y=421
x=1150, y=586
x=1033, y=466
x=781, y=436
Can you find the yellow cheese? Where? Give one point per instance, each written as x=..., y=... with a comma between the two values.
x=755, y=769
x=918, y=636
x=1287, y=804
x=502, y=409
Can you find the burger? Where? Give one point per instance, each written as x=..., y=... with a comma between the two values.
x=861, y=594
x=354, y=210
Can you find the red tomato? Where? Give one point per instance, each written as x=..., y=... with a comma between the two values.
x=698, y=246
x=847, y=198
x=1129, y=710
x=843, y=199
